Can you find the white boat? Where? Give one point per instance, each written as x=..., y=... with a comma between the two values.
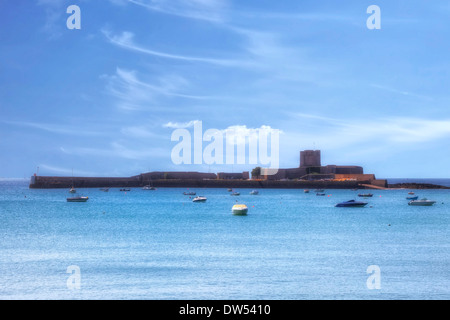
x=422, y=202
x=235, y=194
x=148, y=188
x=239, y=210
x=199, y=199
x=254, y=192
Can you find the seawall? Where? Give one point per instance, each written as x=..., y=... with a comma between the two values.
x=45, y=182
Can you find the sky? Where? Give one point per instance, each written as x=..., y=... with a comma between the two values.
x=104, y=100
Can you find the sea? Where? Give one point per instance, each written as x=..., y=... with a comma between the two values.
x=159, y=245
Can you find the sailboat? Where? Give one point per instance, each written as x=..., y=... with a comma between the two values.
x=149, y=186
x=72, y=190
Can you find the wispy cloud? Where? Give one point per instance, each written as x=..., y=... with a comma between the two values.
x=56, y=128
x=208, y=10
x=400, y=92
x=141, y=132
x=126, y=40
x=119, y=150
x=394, y=131
x=54, y=11
x=135, y=94
x=51, y=169
x=180, y=125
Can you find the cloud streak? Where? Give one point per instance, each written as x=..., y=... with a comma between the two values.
x=125, y=40
x=55, y=128
x=395, y=131
x=135, y=94
x=207, y=10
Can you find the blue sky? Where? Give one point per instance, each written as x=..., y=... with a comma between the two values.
x=104, y=100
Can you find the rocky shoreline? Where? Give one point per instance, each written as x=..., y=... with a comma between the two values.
x=413, y=185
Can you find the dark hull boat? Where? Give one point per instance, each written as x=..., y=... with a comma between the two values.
x=78, y=199
x=351, y=203
x=365, y=195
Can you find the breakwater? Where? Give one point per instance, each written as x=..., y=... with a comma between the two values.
x=46, y=182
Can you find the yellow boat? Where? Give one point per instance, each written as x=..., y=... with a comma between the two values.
x=239, y=210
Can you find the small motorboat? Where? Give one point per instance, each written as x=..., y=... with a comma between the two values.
x=148, y=188
x=410, y=192
x=254, y=192
x=306, y=191
x=191, y=193
x=239, y=210
x=125, y=189
x=351, y=203
x=320, y=194
x=365, y=195
x=412, y=198
x=104, y=189
x=229, y=189
x=422, y=202
x=78, y=199
x=235, y=194
x=199, y=199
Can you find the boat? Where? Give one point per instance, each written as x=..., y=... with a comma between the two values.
x=410, y=192
x=72, y=190
x=78, y=199
x=319, y=190
x=189, y=193
x=412, y=198
x=365, y=195
x=125, y=189
x=320, y=194
x=306, y=191
x=104, y=189
x=229, y=189
x=239, y=210
x=199, y=199
x=351, y=203
x=148, y=188
x=254, y=192
x=422, y=202
x=235, y=194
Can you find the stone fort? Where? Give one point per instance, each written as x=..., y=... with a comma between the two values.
x=311, y=168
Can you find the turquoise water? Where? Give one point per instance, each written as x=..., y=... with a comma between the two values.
x=160, y=245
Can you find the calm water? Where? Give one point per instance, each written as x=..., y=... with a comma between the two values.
x=160, y=245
